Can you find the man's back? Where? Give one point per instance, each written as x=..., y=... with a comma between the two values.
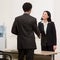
x=24, y=27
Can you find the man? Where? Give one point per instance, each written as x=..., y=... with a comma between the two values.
x=24, y=27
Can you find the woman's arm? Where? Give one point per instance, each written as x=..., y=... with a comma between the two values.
x=54, y=36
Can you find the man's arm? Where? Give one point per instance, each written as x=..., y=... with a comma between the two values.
x=36, y=29
x=14, y=27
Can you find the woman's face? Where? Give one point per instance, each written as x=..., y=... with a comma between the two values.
x=45, y=16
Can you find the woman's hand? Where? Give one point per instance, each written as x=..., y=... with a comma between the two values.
x=54, y=47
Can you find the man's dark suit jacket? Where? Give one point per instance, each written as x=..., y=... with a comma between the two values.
x=24, y=27
x=49, y=38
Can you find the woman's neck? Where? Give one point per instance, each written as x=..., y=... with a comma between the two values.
x=45, y=21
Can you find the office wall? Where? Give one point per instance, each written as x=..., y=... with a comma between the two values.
x=9, y=9
x=57, y=21
x=3, y=16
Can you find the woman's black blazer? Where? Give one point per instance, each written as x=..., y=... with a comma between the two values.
x=50, y=37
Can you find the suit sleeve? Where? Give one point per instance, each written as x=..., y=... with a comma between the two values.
x=36, y=29
x=54, y=34
x=14, y=27
x=39, y=27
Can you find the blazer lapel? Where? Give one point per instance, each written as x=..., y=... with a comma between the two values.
x=47, y=27
x=43, y=28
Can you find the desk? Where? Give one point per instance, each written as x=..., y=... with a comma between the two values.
x=46, y=53
x=41, y=53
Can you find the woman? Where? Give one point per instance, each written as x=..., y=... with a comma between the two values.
x=48, y=32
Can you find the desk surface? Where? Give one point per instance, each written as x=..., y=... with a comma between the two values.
x=37, y=52
x=45, y=52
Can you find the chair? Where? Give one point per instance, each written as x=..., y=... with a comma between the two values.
x=5, y=55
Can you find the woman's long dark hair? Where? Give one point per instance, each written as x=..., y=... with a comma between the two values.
x=49, y=14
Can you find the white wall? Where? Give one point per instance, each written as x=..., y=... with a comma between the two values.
x=57, y=21
x=9, y=9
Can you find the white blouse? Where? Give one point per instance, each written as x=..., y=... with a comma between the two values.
x=45, y=26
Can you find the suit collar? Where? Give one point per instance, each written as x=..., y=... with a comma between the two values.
x=43, y=27
x=43, y=22
x=26, y=14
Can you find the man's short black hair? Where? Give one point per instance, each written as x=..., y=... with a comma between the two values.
x=27, y=6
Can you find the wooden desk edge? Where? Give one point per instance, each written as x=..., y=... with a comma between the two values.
x=36, y=52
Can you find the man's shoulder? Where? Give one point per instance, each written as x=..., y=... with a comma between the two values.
x=18, y=17
x=24, y=16
x=32, y=17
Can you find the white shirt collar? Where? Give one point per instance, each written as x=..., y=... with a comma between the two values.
x=44, y=22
